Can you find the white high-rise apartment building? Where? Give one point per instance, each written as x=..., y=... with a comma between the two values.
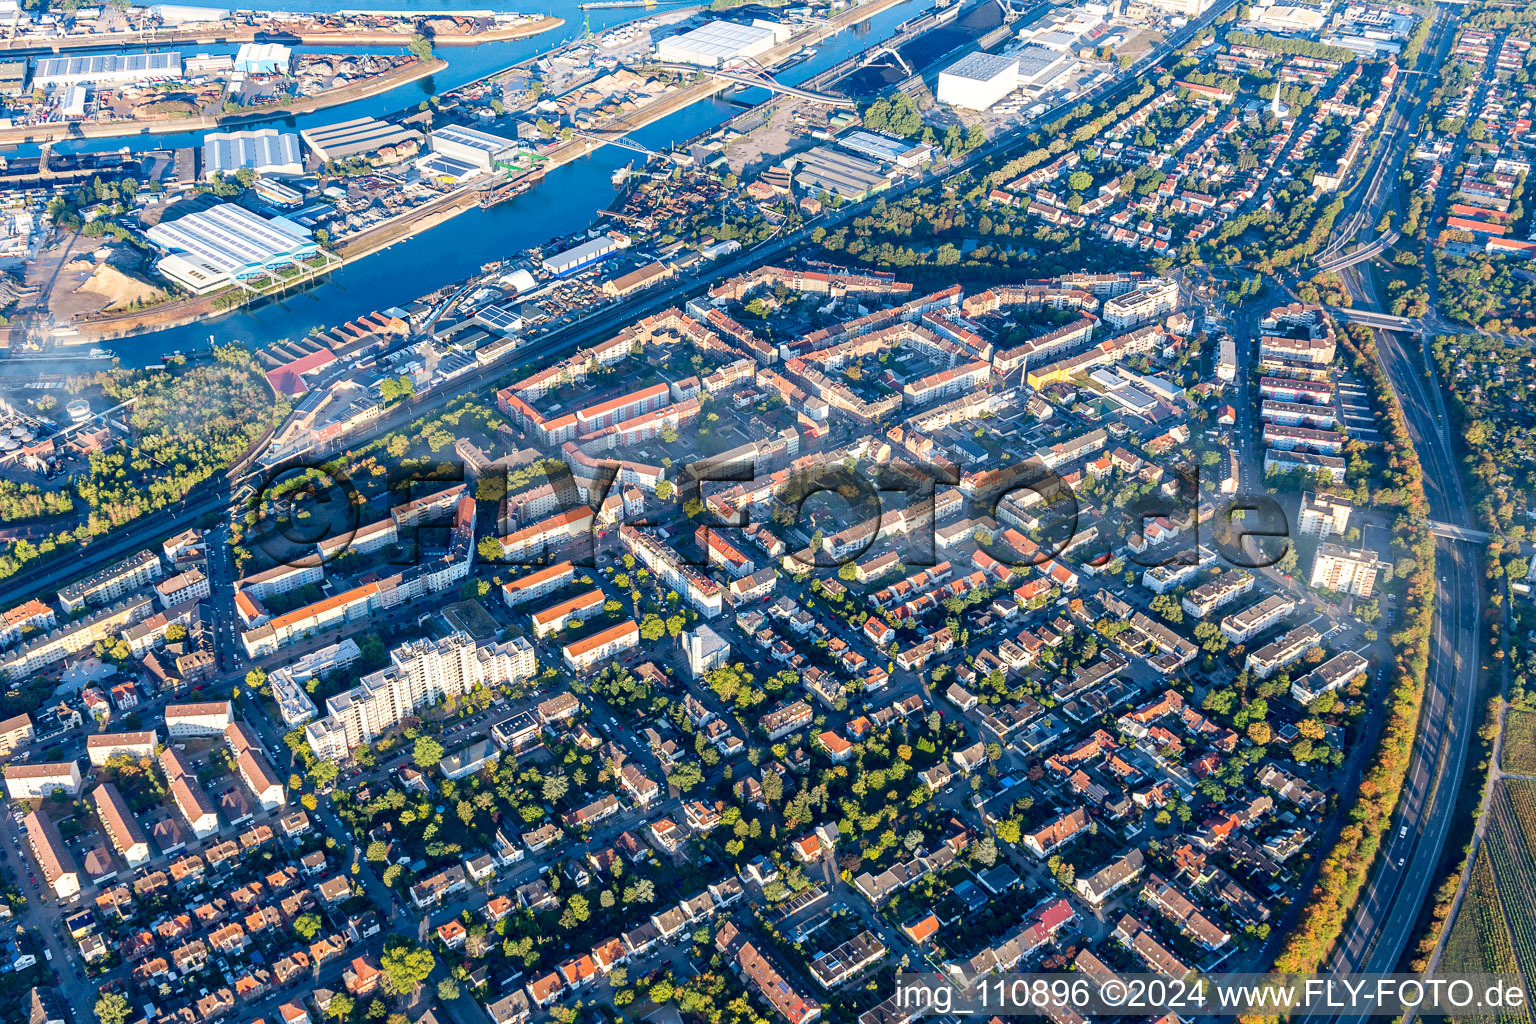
x=420, y=673
x=1323, y=515
x=1345, y=570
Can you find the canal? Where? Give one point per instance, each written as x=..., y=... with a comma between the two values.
x=566, y=201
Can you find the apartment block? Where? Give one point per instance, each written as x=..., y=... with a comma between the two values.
x=255, y=771
x=1345, y=570
x=58, y=865
x=102, y=747
x=191, y=585
x=210, y=718
x=556, y=617
x=1323, y=515
x=187, y=794
x=15, y=733
x=419, y=674
x=1241, y=626
x=118, y=822
x=587, y=652
x=537, y=584
x=31, y=615
x=111, y=583
x=35, y=781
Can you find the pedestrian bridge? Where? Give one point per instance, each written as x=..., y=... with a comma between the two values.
x=749, y=74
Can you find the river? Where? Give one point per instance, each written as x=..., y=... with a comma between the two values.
x=566, y=202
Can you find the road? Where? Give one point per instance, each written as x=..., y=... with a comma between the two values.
x=1384, y=918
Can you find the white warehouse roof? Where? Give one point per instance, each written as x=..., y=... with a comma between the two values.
x=264, y=150
x=233, y=239
x=717, y=42
x=106, y=67
x=983, y=67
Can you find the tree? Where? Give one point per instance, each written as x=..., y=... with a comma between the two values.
x=307, y=926
x=341, y=1006
x=686, y=776
x=1079, y=181
x=447, y=990
x=112, y=1008
x=426, y=753
x=420, y=47
x=405, y=966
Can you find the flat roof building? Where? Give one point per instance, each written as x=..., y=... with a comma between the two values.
x=716, y=43
x=901, y=152
x=106, y=69
x=978, y=80
x=227, y=243
x=475, y=147
x=263, y=150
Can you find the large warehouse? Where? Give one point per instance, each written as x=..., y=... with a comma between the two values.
x=716, y=43
x=263, y=150
x=358, y=137
x=1040, y=67
x=227, y=243
x=978, y=80
x=106, y=69
x=823, y=168
x=472, y=146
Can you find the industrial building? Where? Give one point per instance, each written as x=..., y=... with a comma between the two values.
x=978, y=80
x=579, y=257
x=475, y=147
x=227, y=243
x=356, y=137
x=843, y=174
x=1041, y=67
x=105, y=69
x=716, y=43
x=263, y=59
x=901, y=152
x=13, y=78
x=263, y=150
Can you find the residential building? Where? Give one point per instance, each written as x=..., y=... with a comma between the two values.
x=111, y=583
x=420, y=673
x=588, y=652
x=58, y=865
x=1345, y=570
x=209, y=718
x=35, y=781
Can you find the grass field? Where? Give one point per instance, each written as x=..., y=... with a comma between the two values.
x=1518, y=755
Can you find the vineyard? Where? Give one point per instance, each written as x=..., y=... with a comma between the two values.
x=1479, y=941
x=1518, y=756
x=1514, y=870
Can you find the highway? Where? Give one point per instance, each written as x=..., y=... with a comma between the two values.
x=1388, y=908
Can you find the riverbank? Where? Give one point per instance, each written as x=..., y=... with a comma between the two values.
x=407, y=227
x=230, y=33
x=58, y=131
